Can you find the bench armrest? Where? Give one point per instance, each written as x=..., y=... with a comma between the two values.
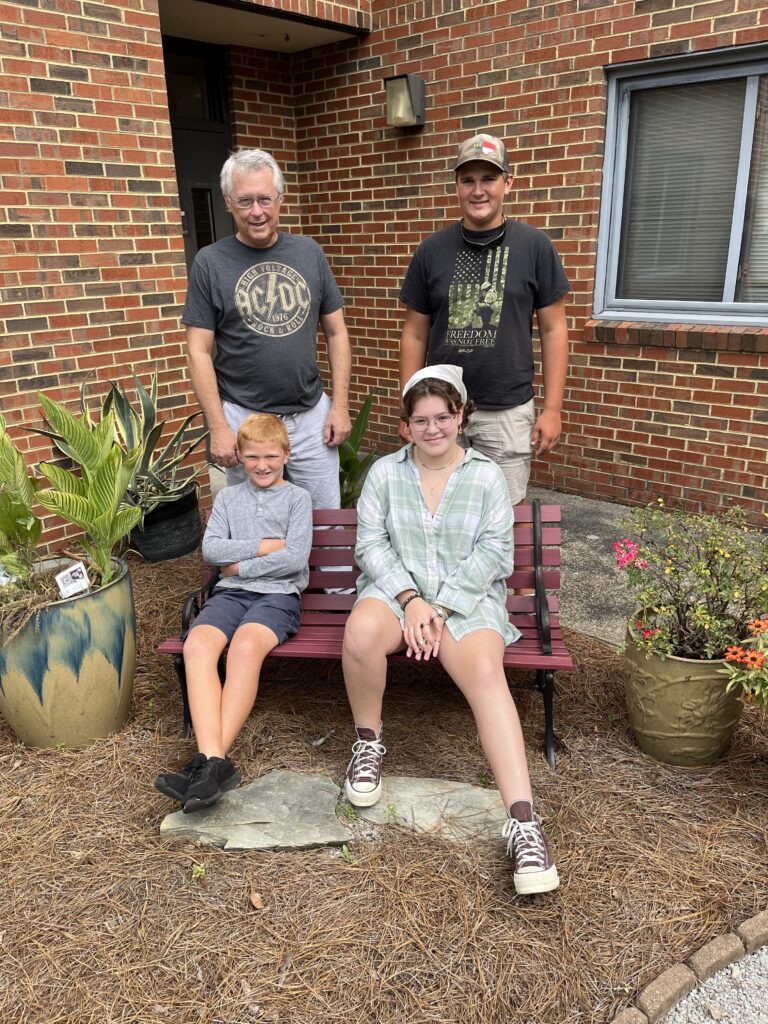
x=542, y=605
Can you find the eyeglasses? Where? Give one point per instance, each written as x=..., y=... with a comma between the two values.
x=265, y=202
x=442, y=422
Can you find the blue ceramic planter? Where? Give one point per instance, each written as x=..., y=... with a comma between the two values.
x=67, y=678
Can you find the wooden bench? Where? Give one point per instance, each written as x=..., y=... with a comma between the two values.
x=541, y=647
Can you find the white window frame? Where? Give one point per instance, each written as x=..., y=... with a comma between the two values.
x=623, y=79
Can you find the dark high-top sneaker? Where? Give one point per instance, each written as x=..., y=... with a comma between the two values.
x=535, y=870
x=362, y=786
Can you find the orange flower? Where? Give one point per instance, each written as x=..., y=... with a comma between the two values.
x=753, y=659
x=758, y=626
x=734, y=653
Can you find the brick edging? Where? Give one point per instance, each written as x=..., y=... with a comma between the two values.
x=674, y=984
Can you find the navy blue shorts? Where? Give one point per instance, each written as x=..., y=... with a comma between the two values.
x=230, y=607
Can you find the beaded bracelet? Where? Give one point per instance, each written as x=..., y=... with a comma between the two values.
x=407, y=601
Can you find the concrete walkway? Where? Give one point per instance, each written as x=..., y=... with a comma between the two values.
x=595, y=599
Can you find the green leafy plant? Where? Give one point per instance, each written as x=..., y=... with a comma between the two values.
x=94, y=500
x=747, y=664
x=91, y=499
x=159, y=476
x=698, y=579
x=20, y=528
x=353, y=464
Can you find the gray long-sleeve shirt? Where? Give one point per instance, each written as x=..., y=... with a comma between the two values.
x=243, y=515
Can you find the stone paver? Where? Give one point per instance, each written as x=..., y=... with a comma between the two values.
x=630, y=1016
x=715, y=955
x=283, y=810
x=666, y=991
x=754, y=932
x=454, y=809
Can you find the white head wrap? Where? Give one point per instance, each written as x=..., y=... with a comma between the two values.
x=441, y=371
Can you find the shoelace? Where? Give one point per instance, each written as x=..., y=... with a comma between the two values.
x=525, y=843
x=366, y=758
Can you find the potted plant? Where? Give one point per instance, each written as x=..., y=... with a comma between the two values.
x=66, y=664
x=164, y=489
x=699, y=580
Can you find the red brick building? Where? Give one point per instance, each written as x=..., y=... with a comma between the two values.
x=617, y=115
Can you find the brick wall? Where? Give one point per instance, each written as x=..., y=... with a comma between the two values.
x=651, y=410
x=91, y=257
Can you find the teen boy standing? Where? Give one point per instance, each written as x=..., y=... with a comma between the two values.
x=260, y=533
x=471, y=292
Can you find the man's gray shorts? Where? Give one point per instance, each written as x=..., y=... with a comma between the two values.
x=230, y=607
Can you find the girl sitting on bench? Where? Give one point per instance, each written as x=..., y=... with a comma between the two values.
x=434, y=545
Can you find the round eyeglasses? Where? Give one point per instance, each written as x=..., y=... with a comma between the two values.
x=442, y=422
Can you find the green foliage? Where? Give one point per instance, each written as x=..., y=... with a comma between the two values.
x=19, y=526
x=353, y=465
x=94, y=499
x=158, y=477
x=699, y=579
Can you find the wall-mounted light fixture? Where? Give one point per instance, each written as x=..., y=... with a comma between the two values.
x=405, y=100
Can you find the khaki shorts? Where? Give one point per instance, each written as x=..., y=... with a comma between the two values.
x=504, y=435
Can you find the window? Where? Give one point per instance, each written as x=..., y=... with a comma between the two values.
x=684, y=218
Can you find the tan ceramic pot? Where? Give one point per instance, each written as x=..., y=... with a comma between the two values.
x=679, y=711
x=67, y=678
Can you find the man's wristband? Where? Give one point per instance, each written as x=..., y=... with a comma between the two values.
x=407, y=601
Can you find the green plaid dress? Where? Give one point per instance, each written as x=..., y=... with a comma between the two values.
x=459, y=557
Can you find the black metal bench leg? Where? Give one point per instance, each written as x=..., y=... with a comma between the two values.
x=546, y=683
x=181, y=672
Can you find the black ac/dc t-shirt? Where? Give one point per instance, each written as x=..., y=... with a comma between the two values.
x=481, y=303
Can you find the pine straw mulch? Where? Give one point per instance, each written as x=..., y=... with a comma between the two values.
x=105, y=923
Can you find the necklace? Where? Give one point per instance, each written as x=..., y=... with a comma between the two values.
x=433, y=469
x=486, y=242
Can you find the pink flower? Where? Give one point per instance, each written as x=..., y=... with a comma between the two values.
x=626, y=554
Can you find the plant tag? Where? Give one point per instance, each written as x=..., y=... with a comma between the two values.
x=5, y=578
x=73, y=580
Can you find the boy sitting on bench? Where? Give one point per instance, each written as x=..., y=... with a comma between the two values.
x=260, y=533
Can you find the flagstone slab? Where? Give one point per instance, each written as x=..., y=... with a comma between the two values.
x=455, y=810
x=286, y=810
x=283, y=810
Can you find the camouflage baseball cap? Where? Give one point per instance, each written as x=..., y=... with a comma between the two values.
x=483, y=147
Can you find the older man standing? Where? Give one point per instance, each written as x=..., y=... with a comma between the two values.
x=254, y=304
x=471, y=292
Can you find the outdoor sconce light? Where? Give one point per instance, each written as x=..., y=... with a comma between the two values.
x=405, y=101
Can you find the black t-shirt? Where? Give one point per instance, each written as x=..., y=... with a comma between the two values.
x=481, y=303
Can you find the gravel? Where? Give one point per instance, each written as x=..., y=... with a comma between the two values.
x=736, y=995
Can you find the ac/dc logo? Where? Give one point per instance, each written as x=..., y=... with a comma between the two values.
x=272, y=299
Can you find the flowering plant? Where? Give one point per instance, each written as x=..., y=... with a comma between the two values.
x=747, y=664
x=699, y=579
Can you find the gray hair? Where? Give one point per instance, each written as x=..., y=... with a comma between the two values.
x=244, y=160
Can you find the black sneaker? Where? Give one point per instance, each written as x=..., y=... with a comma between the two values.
x=209, y=783
x=174, y=784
